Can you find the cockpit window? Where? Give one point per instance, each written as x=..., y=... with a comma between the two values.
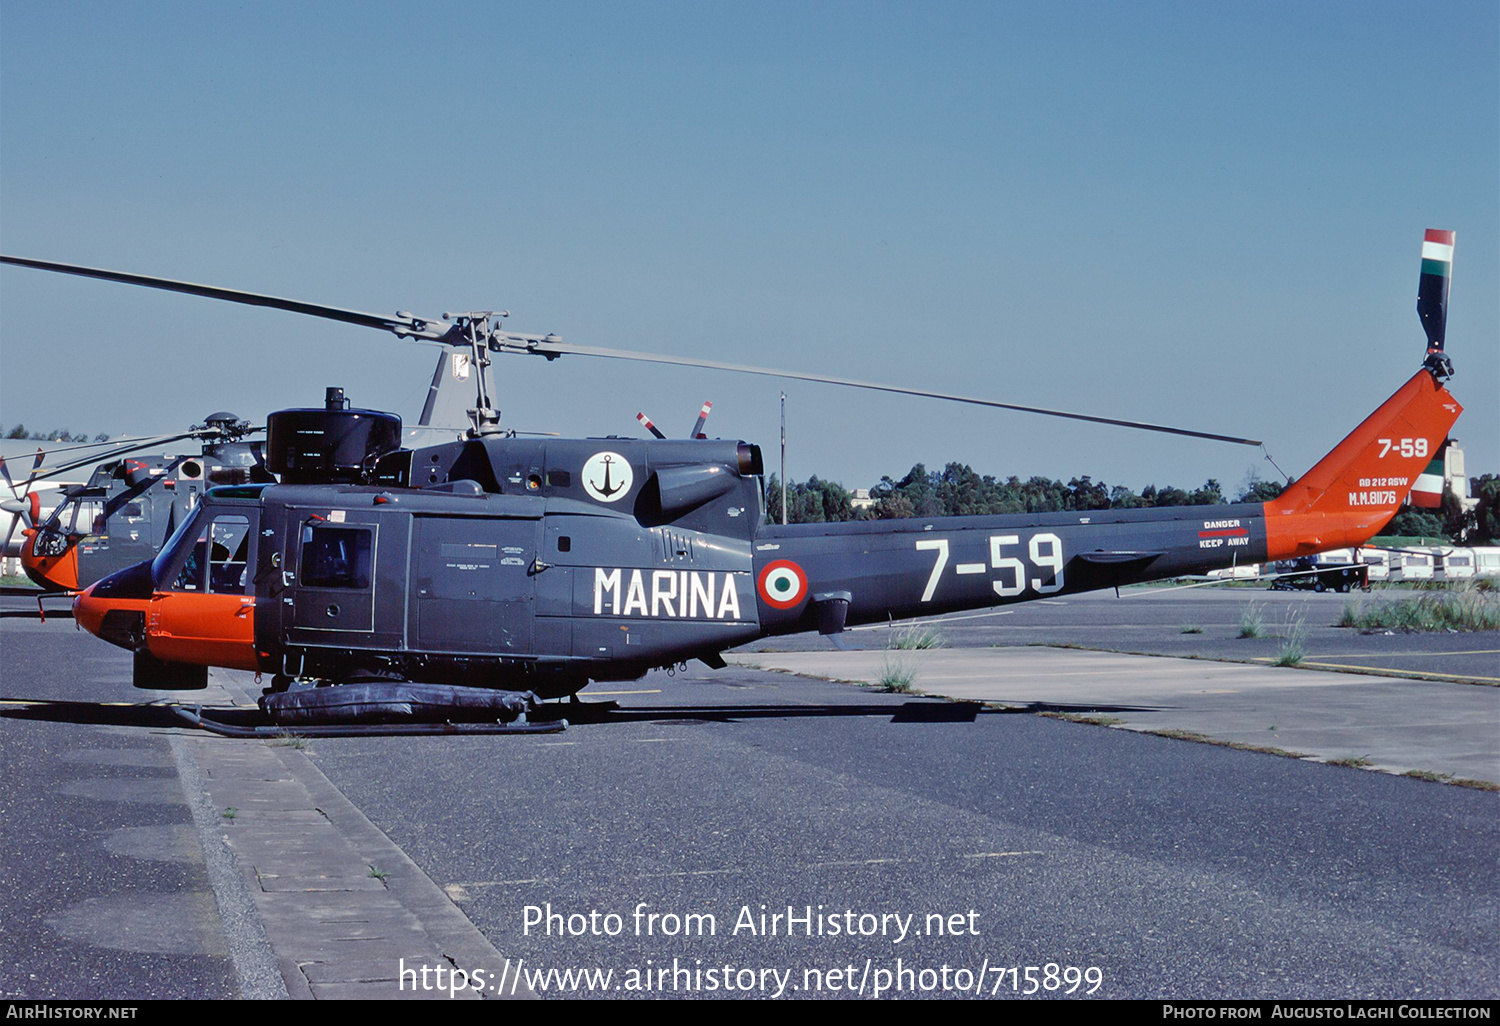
x=221, y=549
x=228, y=555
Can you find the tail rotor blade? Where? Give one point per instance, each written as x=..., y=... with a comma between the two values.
x=702, y=419
x=1432, y=287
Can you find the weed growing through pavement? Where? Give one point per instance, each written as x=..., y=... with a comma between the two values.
x=1465, y=607
x=288, y=739
x=914, y=636
x=1252, y=621
x=1293, y=642
x=897, y=675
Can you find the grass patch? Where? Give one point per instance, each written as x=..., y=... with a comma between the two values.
x=378, y=873
x=287, y=739
x=1293, y=642
x=1353, y=762
x=1464, y=608
x=1239, y=746
x=1449, y=778
x=1436, y=778
x=897, y=676
x=230, y=812
x=1191, y=628
x=1096, y=719
x=1252, y=621
x=918, y=636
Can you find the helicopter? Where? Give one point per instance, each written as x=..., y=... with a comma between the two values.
x=132, y=501
x=130, y=504
x=510, y=565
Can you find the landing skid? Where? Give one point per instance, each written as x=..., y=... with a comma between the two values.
x=207, y=719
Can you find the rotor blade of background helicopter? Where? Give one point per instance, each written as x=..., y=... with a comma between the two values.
x=412, y=326
x=552, y=349
x=10, y=530
x=123, y=440
x=24, y=500
x=36, y=464
x=106, y=457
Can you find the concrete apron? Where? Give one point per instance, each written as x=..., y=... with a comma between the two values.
x=1393, y=724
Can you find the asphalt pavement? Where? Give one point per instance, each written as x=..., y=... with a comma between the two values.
x=789, y=835
x=104, y=880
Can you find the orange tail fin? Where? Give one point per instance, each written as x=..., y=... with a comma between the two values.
x=1353, y=491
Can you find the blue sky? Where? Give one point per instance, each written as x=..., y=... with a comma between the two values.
x=1203, y=214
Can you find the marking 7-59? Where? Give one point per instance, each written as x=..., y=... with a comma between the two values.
x=1045, y=550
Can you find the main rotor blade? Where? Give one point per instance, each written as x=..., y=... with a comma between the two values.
x=554, y=349
x=401, y=325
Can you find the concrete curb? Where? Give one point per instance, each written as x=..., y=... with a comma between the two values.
x=343, y=909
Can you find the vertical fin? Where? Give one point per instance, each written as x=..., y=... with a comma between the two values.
x=1355, y=490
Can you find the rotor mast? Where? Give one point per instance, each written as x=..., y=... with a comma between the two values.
x=478, y=328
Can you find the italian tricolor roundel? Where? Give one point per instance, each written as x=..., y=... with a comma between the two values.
x=782, y=584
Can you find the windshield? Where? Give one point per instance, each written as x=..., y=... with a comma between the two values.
x=186, y=534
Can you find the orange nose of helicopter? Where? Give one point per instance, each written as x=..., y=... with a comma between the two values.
x=120, y=621
x=58, y=572
x=186, y=627
x=116, y=607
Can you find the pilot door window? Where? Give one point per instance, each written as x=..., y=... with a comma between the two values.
x=335, y=557
x=218, y=560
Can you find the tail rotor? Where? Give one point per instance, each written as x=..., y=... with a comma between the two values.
x=1432, y=297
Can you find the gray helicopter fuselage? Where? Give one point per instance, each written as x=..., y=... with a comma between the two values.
x=544, y=564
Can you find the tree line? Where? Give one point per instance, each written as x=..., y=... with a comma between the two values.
x=60, y=435
x=957, y=490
